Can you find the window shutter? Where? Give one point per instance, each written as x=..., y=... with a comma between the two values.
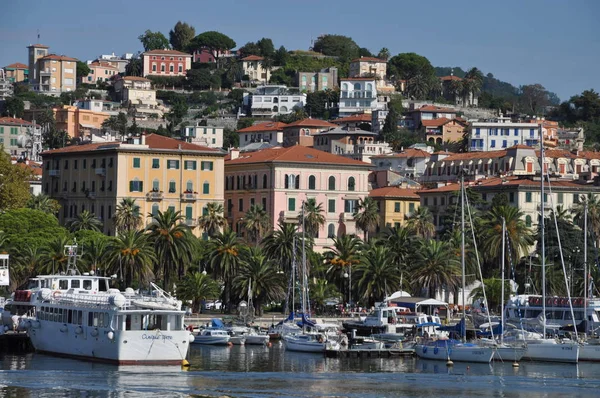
x=194, y=165
x=130, y=186
x=141, y=186
x=210, y=165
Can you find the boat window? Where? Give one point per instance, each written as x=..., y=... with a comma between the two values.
x=70, y=316
x=87, y=284
x=75, y=284
x=79, y=317
x=152, y=321
x=385, y=314
x=63, y=284
x=105, y=323
x=128, y=322
x=45, y=283
x=103, y=285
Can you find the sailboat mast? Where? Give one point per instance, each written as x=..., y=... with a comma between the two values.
x=542, y=229
x=294, y=275
x=502, y=293
x=304, y=284
x=585, y=271
x=462, y=252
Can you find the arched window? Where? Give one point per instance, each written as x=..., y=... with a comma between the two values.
x=172, y=186
x=332, y=183
x=528, y=221
x=189, y=186
x=312, y=182
x=275, y=108
x=155, y=185
x=283, y=108
x=351, y=184
x=331, y=231
x=286, y=181
x=264, y=181
x=292, y=181
x=369, y=87
x=345, y=86
x=155, y=210
x=206, y=188
x=357, y=86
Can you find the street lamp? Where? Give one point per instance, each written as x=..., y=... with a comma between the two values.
x=348, y=275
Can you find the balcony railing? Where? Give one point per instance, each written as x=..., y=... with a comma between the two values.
x=101, y=171
x=54, y=173
x=190, y=222
x=189, y=197
x=155, y=195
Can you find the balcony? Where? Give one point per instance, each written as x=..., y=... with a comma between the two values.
x=101, y=171
x=189, y=196
x=155, y=195
x=54, y=173
x=190, y=222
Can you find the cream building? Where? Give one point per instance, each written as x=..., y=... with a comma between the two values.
x=51, y=73
x=253, y=68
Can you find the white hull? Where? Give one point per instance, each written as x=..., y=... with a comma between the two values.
x=589, y=352
x=293, y=344
x=550, y=351
x=126, y=347
x=508, y=354
x=257, y=339
x=212, y=340
x=237, y=340
x=456, y=353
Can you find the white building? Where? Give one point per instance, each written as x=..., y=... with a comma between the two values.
x=135, y=90
x=351, y=142
x=410, y=163
x=357, y=95
x=209, y=136
x=252, y=66
x=273, y=100
x=502, y=134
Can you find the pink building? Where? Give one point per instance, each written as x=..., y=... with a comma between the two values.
x=280, y=179
x=99, y=72
x=166, y=63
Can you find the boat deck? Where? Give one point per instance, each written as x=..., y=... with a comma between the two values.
x=387, y=353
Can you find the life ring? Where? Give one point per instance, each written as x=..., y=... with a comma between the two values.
x=56, y=294
x=555, y=302
x=425, y=350
x=436, y=350
x=563, y=302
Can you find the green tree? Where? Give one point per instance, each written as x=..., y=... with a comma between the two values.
x=215, y=42
x=27, y=227
x=14, y=107
x=418, y=86
x=400, y=241
x=407, y=66
x=281, y=56
x=231, y=139
x=85, y=221
x=384, y=54
x=153, y=41
x=473, y=83
x=82, y=70
x=197, y=287
x=593, y=215
x=390, y=127
x=224, y=260
x=534, y=98
x=421, y=223
x=256, y=222
x=134, y=67
x=376, y=276
x=493, y=292
x=279, y=245
x=212, y=220
x=337, y=46
x=320, y=292
x=25, y=264
x=127, y=215
x=435, y=268
x=131, y=256
x=340, y=257
x=181, y=36
x=43, y=203
x=53, y=257
x=14, y=183
x=366, y=215
x=313, y=217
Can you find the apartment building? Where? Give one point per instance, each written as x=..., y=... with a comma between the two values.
x=166, y=63
x=51, y=73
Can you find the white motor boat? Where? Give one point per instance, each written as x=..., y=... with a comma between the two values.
x=541, y=349
x=589, y=351
x=305, y=342
x=443, y=350
x=237, y=339
x=211, y=336
x=255, y=338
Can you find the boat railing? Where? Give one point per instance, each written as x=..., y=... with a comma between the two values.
x=84, y=300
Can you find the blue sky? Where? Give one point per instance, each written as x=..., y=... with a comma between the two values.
x=552, y=42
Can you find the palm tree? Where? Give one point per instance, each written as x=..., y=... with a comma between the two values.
x=24, y=265
x=435, y=268
x=400, y=241
x=257, y=222
x=95, y=253
x=127, y=215
x=421, y=223
x=212, y=221
x=320, y=292
x=344, y=253
x=593, y=214
x=53, y=256
x=85, y=221
x=384, y=54
x=172, y=241
x=520, y=237
x=312, y=217
x=133, y=252
x=366, y=215
x=196, y=287
x=418, y=86
x=43, y=203
x=224, y=260
x=474, y=79
x=376, y=275
x=279, y=245
x=493, y=292
x=259, y=273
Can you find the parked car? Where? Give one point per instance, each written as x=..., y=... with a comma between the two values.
x=213, y=305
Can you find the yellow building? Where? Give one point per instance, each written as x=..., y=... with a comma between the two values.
x=51, y=73
x=395, y=204
x=78, y=122
x=158, y=172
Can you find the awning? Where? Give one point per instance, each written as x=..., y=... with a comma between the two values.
x=414, y=302
x=88, y=126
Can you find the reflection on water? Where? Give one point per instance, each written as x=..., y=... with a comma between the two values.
x=255, y=371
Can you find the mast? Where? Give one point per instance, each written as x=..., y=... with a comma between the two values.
x=294, y=277
x=462, y=252
x=543, y=175
x=502, y=293
x=585, y=271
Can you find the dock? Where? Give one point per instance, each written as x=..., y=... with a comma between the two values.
x=387, y=353
x=15, y=342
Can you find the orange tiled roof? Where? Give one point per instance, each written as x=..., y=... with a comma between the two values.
x=505, y=181
x=435, y=122
x=431, y=108
x=102, y=65
x=368, y=59
x=558, y=153
x=589, y=154
x=359, y=117
x=14, y=121
x=167, y=52
x=294, y=154
x=394, y=192
x=56, y=57
x=449, y=78
x=407, y=153
x=357, y=78
x=266, y=126
x=34, y=168
x=16, y=65
x=252, y=58
x=311, y=123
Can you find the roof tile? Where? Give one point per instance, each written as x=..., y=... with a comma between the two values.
x=266, y=126
x=294, y=154
x=394, y=192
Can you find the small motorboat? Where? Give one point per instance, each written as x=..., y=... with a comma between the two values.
x=211, y=336
x=253, y=337
x=236, y=338
x=305, y=342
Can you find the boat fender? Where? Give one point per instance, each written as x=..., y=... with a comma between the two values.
x=46, y=294
x=110, y=335
x=418, y=340
x=63, y=328
x=555, y=302
x=118, y=300
x=56, y=294
x=79, y=330
x=436, y=350
x=191, y=338
x=94, y=332
x=424, y=350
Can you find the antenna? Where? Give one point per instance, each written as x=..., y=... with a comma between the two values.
x=71, y=253
x=38, y=35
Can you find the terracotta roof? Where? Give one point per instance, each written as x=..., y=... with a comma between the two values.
x=360, y=117
x=368, y=59
x=102, y=65
x=14, y=121
x=407, y=153
x=252, y=58
x=558, y=153
x=431, y=108
x=435, y=122
x=38, y=45
x=34, y=168
x=476, y=155
x=294, y=154
x=589, y=154
x=59, y=58
x=16, y=65
x=266, y=126
x=357, y=78
x=153, y=141
x=449, y=78
x=167, y=52
x=394, y=192
x=311, y=123
x=506, y=181
x=136, y=79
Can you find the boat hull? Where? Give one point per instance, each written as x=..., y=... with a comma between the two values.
x=257, y=340
x=589, y=352
x=455, y=353
x=507, y=354
x=304, y=346
x=552, y=352
x=237, y=340
x=211, y=340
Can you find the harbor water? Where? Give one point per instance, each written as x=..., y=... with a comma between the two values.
x=255, y=371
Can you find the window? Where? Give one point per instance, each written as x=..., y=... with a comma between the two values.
x=331, y=206
x=493, y=144
x=291, y=204
x=153, y=67
x=85, y=163
x=206, y=166
x=180, y=69
x=350, y=205
x=516, y=132
x=351, y=184
x=511, y=197
x=528, y=221
x=411, y=208
x=173, y=164
x=136, y=163
x=331, y=231
x=162, y=67
x=575, y=198
x=312, y=182
x=396, y=207
x=189, y=212
x=189, y=186
x=155, y=163
x=136, y=185
x=545, y=198
x=171, y=68
x=189, y=165
x=528, y=197
x=155, y=185
x=241, y=205
x=332, y=183
x=172, y=186
x=560, y=197
x=264, y=181
x=206, y=188
x=503, y=143
x=66, y=164
x=155, y=210
x=75, y=164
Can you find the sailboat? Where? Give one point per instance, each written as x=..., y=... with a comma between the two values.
x=451, y=349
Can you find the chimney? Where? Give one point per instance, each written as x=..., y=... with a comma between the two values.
x=235, y=153
x=143, y=139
